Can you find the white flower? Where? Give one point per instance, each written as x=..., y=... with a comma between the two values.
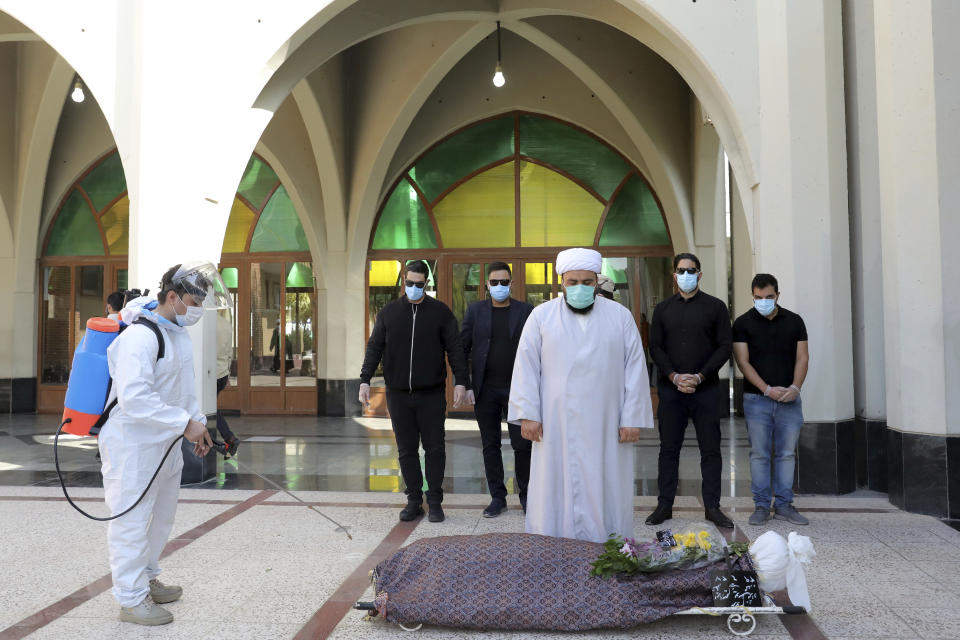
x=626, y=550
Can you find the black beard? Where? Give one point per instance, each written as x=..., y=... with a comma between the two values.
x=575, y=310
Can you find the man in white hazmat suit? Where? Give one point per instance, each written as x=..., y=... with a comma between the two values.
x=156, y=403
x=581, y=393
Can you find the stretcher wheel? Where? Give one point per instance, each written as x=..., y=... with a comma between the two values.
x=406, y=628
x=737, y=622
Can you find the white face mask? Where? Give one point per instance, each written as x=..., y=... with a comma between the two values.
x=687, y=281
x=191, y=317
x=764, y=307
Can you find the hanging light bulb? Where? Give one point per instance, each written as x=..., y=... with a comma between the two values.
x=498, y=78
x=77, y=94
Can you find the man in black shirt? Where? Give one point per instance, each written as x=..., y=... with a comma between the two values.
x=412, y=334
x=770, y=346
x=491, y=332
x=689, y=342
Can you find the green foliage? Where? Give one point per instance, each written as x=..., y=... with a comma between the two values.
x=611, y=562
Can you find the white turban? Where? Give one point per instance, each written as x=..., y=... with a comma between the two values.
x=579, y=260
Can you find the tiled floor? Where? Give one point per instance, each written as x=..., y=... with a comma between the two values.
x=256, y=564
x=340, y=454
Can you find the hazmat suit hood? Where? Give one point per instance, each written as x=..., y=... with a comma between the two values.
x=144, y=307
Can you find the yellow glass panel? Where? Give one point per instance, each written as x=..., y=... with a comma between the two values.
x=384, y=273
x=479, y=213
x=385, y=483
x=116, y=226
x=539, y=273
x=555, y=211
x=238, y=227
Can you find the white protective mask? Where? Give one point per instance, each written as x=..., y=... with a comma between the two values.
x=764, y=307
x=687, y=281
x=191, y=317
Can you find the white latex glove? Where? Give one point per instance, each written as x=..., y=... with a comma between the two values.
x=459, y=392
x=364, y=394
x=471, y=399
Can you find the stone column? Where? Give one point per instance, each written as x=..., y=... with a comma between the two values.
x=918, y=135
x=341, y=304
x=709, y=218
x=743, y=271
x=866, y=256
x=800, y=221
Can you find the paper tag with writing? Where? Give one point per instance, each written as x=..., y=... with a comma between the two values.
x=736, y=589
x=666, y=539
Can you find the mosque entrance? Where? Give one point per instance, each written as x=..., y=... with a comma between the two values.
x=518, y=188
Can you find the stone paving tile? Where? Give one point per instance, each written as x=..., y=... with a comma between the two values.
x=943, y=572
x=97, y=628
x=862, y=621
x=926, y=551
x=931, y=622
x=912, y=593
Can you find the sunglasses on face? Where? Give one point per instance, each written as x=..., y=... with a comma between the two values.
x=418, y=285
x=502, y=283
x=681, y=270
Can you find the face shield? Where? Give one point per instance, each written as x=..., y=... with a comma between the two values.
x=202, y=281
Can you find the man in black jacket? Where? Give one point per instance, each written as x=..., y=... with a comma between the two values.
x=412, y=334
x=491, y=332
x=690, y=340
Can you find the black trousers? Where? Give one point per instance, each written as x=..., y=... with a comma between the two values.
x=491, y=409
x=675, y=411
x=418, y=417
x=222, y=425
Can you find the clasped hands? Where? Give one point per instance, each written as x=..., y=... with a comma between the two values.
x=782, y=394
x=533, y=430
x=687, y=382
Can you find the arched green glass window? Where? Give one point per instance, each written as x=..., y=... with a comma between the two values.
x=634, y=217
x=520, y=180
x=94, y=218
x=263, y=218
x=404, y=221
x=278, y=228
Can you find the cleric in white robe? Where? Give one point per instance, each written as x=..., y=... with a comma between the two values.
x=581, y=393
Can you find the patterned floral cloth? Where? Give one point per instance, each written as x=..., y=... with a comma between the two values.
x=525, y=581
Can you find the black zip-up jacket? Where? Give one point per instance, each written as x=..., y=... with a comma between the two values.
x=412, y=340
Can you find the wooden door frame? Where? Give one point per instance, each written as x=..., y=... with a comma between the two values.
x=244, y=263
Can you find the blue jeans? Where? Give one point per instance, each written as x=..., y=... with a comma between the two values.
x=773, y=428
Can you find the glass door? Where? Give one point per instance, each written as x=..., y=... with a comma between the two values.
x=299, y=369
x=231, y=398
x=540, y=282
x=267, y=361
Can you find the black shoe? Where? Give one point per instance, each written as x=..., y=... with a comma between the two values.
x=523, y=504
x=714, y=515
x=412, y=511
x=495, y=508
x=233, y=444
x=661, y=513
x=435, y=514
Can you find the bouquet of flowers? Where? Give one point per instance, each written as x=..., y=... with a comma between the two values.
x=693, y=547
